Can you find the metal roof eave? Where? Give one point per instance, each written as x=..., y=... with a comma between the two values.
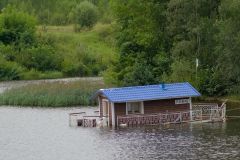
x=137, y=100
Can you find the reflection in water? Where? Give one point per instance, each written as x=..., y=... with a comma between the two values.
x=38, y=134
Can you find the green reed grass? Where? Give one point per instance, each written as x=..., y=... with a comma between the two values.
x=53, y=94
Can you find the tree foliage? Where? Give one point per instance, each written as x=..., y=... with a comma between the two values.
x=141, y=39
x=57, y=12
x=156, y=40
x=16, y=27
x=161, y=40
x=20, y=47
x=85, y=14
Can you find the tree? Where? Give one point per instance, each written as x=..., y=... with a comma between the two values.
x=228, y=46
x=182, y=71
x=141, y=38
x=192, y=31
x=85, y=14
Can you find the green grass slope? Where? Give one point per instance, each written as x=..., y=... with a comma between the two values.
x=85, y=53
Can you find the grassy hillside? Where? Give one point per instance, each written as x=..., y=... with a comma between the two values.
x=85, y=53
x=59, y=51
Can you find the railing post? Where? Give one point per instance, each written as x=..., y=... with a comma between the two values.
x=201, y=114
x=211, y=114
x=180, y=117
x=160, y=118
x=190, y=99
x=224, y=112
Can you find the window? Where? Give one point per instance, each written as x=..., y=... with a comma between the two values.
x=134, y=107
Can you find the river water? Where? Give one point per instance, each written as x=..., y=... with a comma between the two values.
x=44, y=134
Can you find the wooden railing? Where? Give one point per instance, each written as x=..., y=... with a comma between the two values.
x=200, y=112
x=81, y=119
x=151, y=119
x=211, y=110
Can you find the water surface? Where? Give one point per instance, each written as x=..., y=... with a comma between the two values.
x=44, y=134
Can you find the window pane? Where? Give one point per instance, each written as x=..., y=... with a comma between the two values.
x=134, y=107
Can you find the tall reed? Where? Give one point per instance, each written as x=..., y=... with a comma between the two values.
x=53, y=94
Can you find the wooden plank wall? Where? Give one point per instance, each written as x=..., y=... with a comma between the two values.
x=169, y=105
x=120, y=109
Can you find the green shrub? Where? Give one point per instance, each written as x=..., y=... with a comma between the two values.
x=31, y=74
x=16, y=27
x=42, y=58
x=9, y=70
x=76, y=69
x=7, y=52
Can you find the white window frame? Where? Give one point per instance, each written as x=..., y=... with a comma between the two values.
x=182, y=101
x=141, y=107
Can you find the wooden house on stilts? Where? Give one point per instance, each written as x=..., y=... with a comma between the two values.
x=155, y=104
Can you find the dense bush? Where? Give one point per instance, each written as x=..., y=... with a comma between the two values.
x=16, y=27
x=7, y=52
x=77, y=69
x=42, y=58
x=9, y=70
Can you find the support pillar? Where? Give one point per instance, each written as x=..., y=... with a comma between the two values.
x=190, y=104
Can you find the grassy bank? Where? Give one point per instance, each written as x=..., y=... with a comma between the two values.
x=53, y=94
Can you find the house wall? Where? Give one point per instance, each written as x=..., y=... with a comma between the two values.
x=120, y=109
x=154, y=106
x=168, y=105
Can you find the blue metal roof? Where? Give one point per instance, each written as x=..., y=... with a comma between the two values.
x=150, y=92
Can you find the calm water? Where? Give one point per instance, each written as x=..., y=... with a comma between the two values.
x=44, y=134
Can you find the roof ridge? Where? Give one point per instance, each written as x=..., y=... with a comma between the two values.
x=144, y=86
